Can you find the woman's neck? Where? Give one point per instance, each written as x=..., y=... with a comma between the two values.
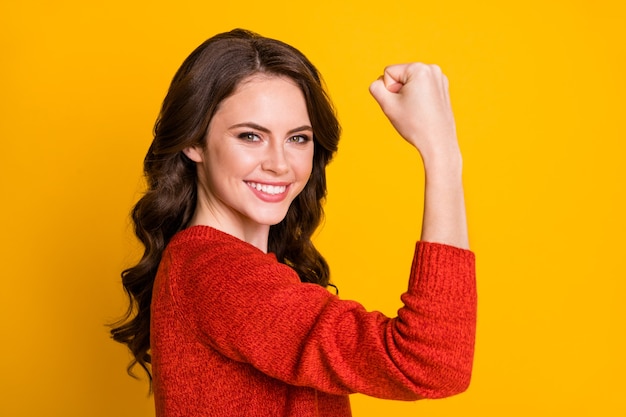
x=250, y=232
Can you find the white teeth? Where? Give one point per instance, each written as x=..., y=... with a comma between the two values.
x=268, y=189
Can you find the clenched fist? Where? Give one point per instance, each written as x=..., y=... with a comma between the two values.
x=415, y=98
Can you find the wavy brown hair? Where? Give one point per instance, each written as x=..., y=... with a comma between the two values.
x=209, y=75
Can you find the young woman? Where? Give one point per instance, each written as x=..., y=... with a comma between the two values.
x=229, y=312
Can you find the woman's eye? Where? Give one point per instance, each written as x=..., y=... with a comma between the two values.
x=249, y=136
x=299, y=139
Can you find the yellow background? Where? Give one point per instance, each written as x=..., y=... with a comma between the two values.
x=538, y=89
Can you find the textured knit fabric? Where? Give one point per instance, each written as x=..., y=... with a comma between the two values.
x=235, y=333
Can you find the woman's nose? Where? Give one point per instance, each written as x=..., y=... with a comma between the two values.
x=275, y=159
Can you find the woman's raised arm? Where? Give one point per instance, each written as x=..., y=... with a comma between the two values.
x=416, y=100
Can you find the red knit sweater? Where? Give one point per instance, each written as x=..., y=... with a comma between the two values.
x=235, y=333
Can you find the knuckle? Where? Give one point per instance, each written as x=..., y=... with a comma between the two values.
x=425, y=70
x=417, y=67
x=436, y=69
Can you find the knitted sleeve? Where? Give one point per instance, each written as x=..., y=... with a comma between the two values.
x=249, y=307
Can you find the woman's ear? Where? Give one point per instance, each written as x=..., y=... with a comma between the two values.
x=195, y=153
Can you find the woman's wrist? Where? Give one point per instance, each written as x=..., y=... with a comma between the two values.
x=442, y=165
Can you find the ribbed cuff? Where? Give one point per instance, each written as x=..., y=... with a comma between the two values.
x=438, y=268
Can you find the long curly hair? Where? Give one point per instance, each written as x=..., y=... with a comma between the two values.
x=210, y=74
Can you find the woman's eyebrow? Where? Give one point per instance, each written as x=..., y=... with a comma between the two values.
x=301, y=129
x=251, y=125
x=263, y=129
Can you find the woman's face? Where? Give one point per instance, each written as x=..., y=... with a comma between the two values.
x=258, y=155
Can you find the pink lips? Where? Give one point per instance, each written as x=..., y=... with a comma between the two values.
x=271, y=193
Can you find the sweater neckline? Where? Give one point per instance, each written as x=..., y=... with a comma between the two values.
x=209, y=232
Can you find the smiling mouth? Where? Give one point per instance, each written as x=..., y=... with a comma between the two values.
x=268, y=189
